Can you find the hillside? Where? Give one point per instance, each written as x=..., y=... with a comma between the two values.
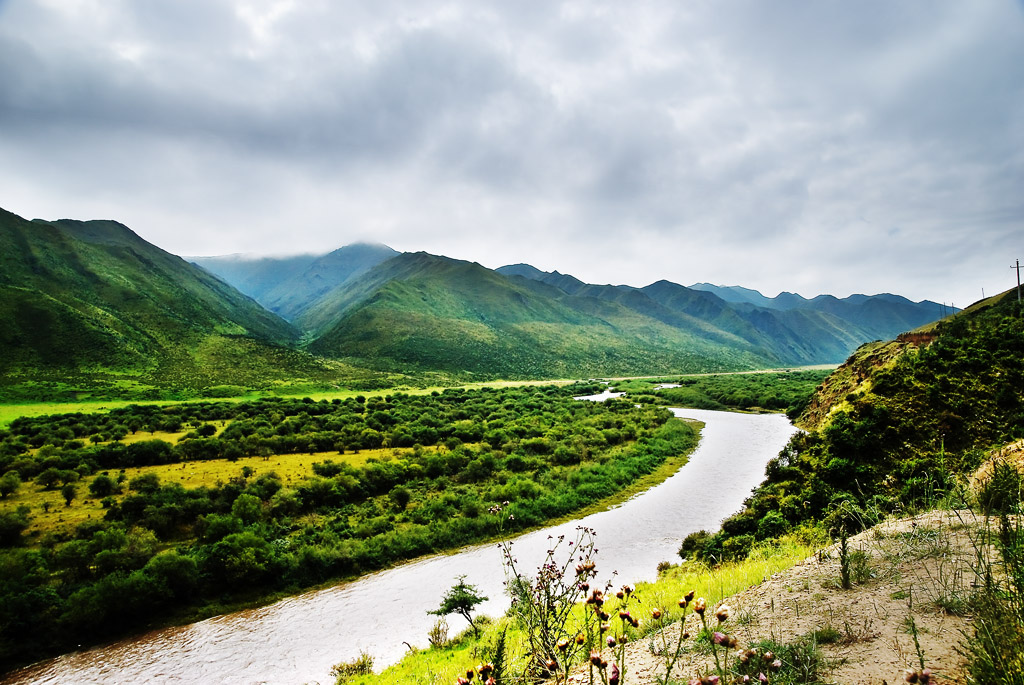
x=789, y=328
x=424, y=311
x=896, y=426
x=92, y=305
x=288, y=286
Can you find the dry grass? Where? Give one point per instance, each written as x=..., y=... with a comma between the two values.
x=50, y=515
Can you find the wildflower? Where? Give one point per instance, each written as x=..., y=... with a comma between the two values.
x=563, y=644
x=628, y=589
x=777, y=664
x=700, y=605
x=689, y=596
x=469, y=675
x=624, y=615
x=605, y=627
x=611, y=641
x=762, y=677
x=683, y=602
x=719, y=638
x=613, y=675
x=723, y=613
x=580, y=638
x=485, y=669
x=655, y=613
x=551, y=664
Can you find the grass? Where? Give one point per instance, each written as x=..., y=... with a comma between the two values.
x=11, y=411
x=433, y=665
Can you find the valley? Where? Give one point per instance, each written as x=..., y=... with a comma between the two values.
x=227, y=440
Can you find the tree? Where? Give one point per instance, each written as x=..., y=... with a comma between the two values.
x=461, y=599
x=68, y=492
x=9, y=484
x=11, y=525
x=102, y=486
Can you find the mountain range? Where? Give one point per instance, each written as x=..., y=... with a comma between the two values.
x=94, y=298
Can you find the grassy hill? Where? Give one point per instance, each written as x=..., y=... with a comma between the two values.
x=897, y=426
x=90, y=305
x=423, y=311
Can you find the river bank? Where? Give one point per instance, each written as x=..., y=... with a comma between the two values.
x=298, y=639
x=913, y=580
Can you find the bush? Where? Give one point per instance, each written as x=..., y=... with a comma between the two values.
x=361, y=665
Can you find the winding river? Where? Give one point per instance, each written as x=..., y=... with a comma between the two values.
x=298, y=639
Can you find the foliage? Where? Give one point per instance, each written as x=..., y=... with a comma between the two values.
x=461, y=599
x=251, y=533
x=920, y=420
x=787, y=391
x=361, y=665
x=994, y=650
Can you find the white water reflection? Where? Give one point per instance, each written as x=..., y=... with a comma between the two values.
x=297, y=640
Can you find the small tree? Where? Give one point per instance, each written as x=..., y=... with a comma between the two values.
x=9, y=484
x=68, y=492
x=461, y=599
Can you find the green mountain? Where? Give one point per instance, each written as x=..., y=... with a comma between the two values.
x=91, y=304
x=288, y=286
x=428, y=312
x=824, y=330
x=899, y=425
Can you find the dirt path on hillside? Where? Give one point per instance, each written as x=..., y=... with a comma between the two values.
x=911, y=575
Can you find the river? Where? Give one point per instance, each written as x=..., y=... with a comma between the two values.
x=298, y=639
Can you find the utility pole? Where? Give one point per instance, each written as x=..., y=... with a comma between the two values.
x=1018, y=279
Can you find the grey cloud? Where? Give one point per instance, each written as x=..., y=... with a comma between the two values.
x=698, y=129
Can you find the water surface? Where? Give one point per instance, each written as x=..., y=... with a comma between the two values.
x=298, y=639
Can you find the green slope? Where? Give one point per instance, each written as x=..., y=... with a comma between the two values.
x=897, y=426
x=422, y=311
x=92, y=305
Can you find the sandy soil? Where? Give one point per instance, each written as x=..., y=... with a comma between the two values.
x=920, y=567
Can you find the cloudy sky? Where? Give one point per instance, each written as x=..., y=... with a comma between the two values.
x=856, y=146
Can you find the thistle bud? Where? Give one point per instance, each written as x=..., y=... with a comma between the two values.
x=469, y=675
x=485, y=669
x=580, y=638
x=718, y=638
x=723, y=613
x=700, y=605
x=689, y=596
x=911, y=676
x=655, y=613
x=563, y=644
x=620, y=594
x=683, y=602
x=611, y=641
x=623, y=614
x=605, y=627
x=595, y=658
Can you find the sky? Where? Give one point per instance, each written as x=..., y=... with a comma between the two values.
x=815, y=147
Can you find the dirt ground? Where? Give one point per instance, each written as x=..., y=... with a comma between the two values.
x=919, y=568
